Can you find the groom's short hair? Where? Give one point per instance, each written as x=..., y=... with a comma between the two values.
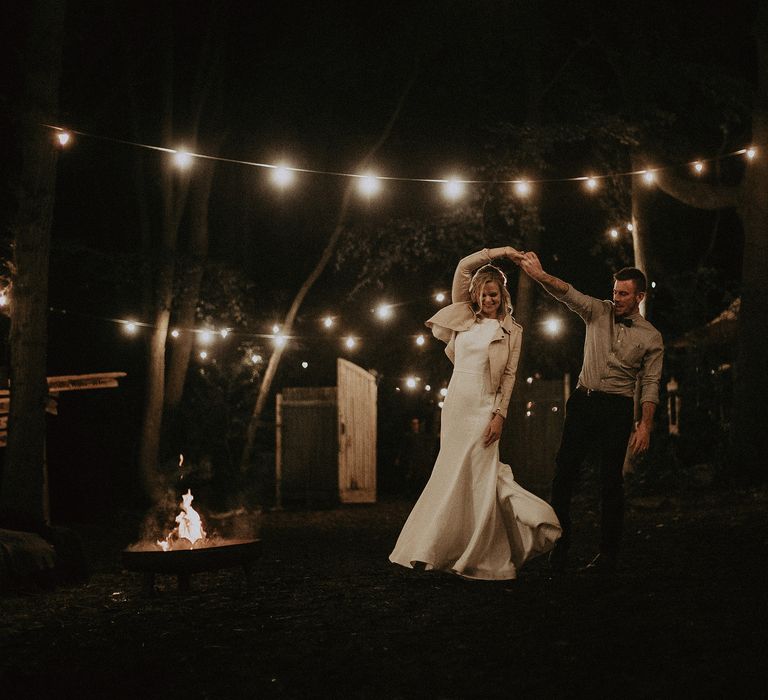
x=632, y=273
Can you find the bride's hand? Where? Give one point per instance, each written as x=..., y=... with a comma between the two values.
x=493, y=431
x=512, y=254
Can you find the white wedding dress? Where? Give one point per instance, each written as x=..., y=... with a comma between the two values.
x=472, y=518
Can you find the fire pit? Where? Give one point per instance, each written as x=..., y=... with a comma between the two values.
x=187, y=549
x=182, y=563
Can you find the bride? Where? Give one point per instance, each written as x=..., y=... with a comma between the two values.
x=473, y=519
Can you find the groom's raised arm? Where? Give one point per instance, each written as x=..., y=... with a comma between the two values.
x=530, y=264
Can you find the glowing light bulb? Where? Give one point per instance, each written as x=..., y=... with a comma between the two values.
x=453, y=188
x=591, y=183
x=529, y=380
x=698, y=166
x=410, y=382
x=384, y=311
x=427, y=387
x=369, y=185
x=420, y=340
x=224, y=332
x=751, y=152
x=182, y=159
x=3, y=299
x=256, y=359
x=350, y=342
x=440, y=297
x=275, y=329
x=653, y=285
x=175, y=333
x=443, y=392
x=649, y=176
x=522, y=188
x=279, y=341
x=630, y=228
x=327, y=321
x=613, y=233
x=131, y=327
x=282, y=176
x=206, y=337
x=203, y=355
x=552, y=325
x=63, y=137
x=305, y=364
x=440, y=404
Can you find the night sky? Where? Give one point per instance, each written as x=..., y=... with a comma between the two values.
x=316, y=83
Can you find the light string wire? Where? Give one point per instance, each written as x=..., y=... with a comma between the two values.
x=517, y=181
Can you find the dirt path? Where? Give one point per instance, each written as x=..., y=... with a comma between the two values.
x=330, y=617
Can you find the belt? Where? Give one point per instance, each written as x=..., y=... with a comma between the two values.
x=594, y=392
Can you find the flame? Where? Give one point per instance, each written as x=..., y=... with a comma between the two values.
x=190, y=526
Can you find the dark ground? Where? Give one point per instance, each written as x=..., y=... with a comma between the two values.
x=329, y=616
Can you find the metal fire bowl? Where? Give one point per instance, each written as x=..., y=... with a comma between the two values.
x=183, y=562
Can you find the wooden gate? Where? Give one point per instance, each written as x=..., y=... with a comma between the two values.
x=357, y=433
x=532, y=432
x=326, y=440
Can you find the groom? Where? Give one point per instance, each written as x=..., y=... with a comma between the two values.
x=620, y=349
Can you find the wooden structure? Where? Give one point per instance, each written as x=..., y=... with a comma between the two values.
x=75, y=382
x=532, y=432
x=326, y=440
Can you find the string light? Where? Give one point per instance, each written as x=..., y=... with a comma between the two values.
x=283, y=175
x=698, y=167
x=131, y=327
x=305, y=364
x=444, y=392
x=440, y=297
x=384, y=311
x=175, y=333
x=553, y=326
x=420, y=340
x=648, y=176
x=411, y=382
x=206, y=337
x=369, y=185
x=3, y=299
x=613, y=233
x=427, y=387
x=203, y=355
x=522, y=188
x=279, y=341
x=256, y=359
x=182, y=159
x=630, y=227
x=224, y=332
x=328, y=322
x=350, y=343
x=275, y=329
x=453, y=188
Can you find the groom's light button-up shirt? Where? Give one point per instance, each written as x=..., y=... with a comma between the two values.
x=616, y=357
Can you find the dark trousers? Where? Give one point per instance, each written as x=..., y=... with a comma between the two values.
x=601, y=423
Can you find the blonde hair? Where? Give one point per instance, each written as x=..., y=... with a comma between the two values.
x=486, y=274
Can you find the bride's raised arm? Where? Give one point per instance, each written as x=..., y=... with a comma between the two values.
x=467, y=266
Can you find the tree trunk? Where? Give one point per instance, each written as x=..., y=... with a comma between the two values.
x=22, y=497
x=189, y=292
x=639, y=226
